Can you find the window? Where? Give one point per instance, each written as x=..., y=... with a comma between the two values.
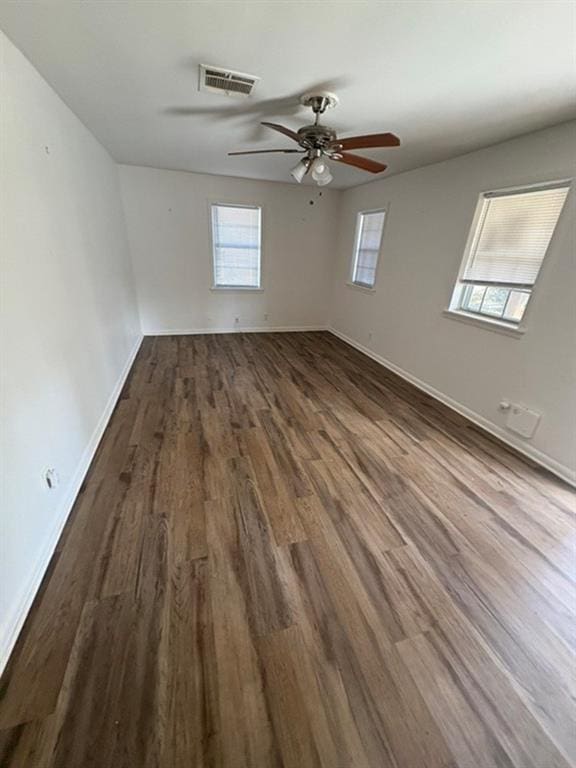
x=236, y=235
x=508, y=242
x=367, y=247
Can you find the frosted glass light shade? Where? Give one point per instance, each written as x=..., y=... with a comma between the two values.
x=299, y=171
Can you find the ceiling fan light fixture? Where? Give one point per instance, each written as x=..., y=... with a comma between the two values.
x=300, y=170
x=321, y=172
x=325, y=180
x=318, y=168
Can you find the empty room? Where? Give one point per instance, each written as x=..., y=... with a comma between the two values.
x=288, y=384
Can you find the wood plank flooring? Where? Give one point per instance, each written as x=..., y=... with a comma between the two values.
x=284, y=555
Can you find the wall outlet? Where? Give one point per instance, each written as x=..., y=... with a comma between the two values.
x=370, y=336
x=522, y=420
x=266, y=316
x=236, y=320
x=51, y=479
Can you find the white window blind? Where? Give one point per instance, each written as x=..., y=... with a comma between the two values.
x=512, y=236
x=236, y=244
x=368, y=241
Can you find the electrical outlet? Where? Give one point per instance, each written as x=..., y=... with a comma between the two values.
x=51, y=479
x=236, y=320
x=266, y=316
x=370, y=336
x=522, y=420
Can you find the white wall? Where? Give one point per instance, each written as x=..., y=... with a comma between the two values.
x=429, y=215
x=167, y=215
x=69, y=322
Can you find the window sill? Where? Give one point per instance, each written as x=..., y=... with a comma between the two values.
x=363, y=288
x=485, y=322
x=235, y=288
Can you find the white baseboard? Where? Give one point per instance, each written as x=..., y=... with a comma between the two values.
x=244, y=329
x=12, y=627
x=562, y=471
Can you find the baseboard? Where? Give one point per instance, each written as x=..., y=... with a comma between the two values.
x=560, y=470
x=237, y=329
x=13, y=626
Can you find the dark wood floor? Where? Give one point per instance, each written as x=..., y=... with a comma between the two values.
x=285, y=556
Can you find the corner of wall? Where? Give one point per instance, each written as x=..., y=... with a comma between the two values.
x=129, y=248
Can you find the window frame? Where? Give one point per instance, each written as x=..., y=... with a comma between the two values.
x=351, y=282
x=214, y=286
x=459, y=289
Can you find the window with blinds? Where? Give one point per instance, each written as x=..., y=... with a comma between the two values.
x=236, y=245
x=511, y=236
x=369, y=231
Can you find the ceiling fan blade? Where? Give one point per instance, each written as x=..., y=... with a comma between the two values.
x=360, y=162
x=372, y=140
x=281, y=129
x=265, y=151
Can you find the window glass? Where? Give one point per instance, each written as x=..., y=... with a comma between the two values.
x=236, y=240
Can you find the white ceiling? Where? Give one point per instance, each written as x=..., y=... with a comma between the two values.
x=447, y=77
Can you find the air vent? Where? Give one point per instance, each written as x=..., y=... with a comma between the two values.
x=226, y=81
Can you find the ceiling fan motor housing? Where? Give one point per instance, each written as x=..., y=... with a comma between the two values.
x=316, y=136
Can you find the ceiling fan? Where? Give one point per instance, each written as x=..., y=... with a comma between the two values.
x=319, y=143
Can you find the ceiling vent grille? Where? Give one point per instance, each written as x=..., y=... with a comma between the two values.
x=226, y=81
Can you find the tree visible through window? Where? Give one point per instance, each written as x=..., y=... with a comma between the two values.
x=236, y=244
